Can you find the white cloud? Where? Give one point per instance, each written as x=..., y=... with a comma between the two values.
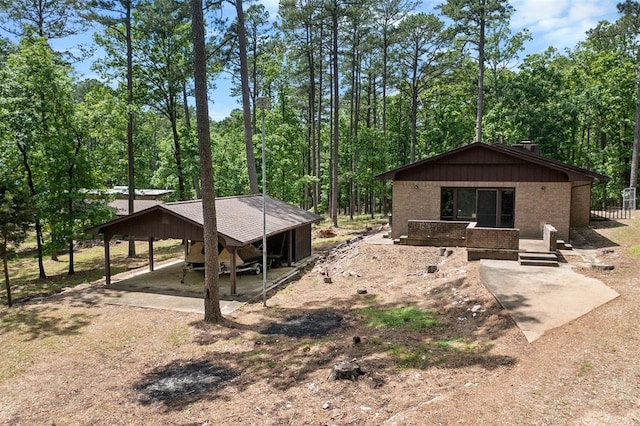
x=560, y=23
x=272, y=7
x=530, y=12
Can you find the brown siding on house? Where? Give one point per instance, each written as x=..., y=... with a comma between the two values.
x=580, y=204
x=418, y=200
x=481, y=165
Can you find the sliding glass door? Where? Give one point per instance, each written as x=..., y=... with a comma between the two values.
x=489, y=207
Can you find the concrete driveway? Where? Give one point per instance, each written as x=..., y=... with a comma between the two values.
x=541, y=298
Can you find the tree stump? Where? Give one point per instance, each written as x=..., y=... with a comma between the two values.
x=346, y=370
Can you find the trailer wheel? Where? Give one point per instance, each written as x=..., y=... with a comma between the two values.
x=258, y=269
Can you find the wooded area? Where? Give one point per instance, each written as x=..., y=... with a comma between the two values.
x=357, y=88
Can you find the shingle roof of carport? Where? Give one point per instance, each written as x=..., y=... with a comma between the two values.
x=238, y=218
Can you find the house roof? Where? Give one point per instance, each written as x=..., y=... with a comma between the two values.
x=239, y=218
x=572, y=173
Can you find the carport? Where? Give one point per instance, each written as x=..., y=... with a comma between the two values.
x=239, y=222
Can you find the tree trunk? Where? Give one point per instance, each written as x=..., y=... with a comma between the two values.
x=212, y=313
x=32, y=188
x=178, y=157
x=318, y=145
x=414, y=108
x=336, y=115
x=130, y=155
x=385, y=74
x=71, y=270
x=480, y=74
x=187, y=122
x=7, y=283
x=246, y=100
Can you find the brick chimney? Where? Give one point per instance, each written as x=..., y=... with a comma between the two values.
x=528, y=146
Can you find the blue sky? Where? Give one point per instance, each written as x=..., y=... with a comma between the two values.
x=558, y=23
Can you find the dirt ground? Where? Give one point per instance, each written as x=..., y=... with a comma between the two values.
x=435, y=349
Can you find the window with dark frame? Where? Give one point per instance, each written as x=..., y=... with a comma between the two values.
x=462, y=204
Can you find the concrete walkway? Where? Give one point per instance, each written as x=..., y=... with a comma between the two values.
x=541, y=298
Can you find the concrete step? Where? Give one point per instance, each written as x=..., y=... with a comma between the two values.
x=562, y=245
x=530, y=262
x=498, y=254
x=537, y=256
x=538, y=259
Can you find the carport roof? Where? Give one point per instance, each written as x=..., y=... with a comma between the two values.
x=238, y=218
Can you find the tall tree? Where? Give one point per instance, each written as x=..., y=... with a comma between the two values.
x=257, y=18
x=36, y=85
x=25, y=109
x=389, y=15
x=630, y=24
x=161, y=35
x=425, y=51
x=241, y=34
x=212, y=311
x=52, y=19
x=473, y=18
x=502, y=49
x=16, y=216
x=335, y=94
x=303, y=27
x=117, y=16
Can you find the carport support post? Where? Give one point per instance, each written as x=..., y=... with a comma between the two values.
x=290, y=248
x=107, y=260
x=232, y=273
x=151, y=254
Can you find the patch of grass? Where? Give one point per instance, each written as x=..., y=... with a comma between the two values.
x=255, y=355
x=585, y=367
x=370, y=299
x=375, y=340
x=178, y=336
x=258, y=359
x=425, y=355
x=419, y=356
x=457, y=343
x=14, y=361
x=635, y=250
x=406, y=318
x=315, y=342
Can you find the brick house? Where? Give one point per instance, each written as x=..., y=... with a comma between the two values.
x=496, y=186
